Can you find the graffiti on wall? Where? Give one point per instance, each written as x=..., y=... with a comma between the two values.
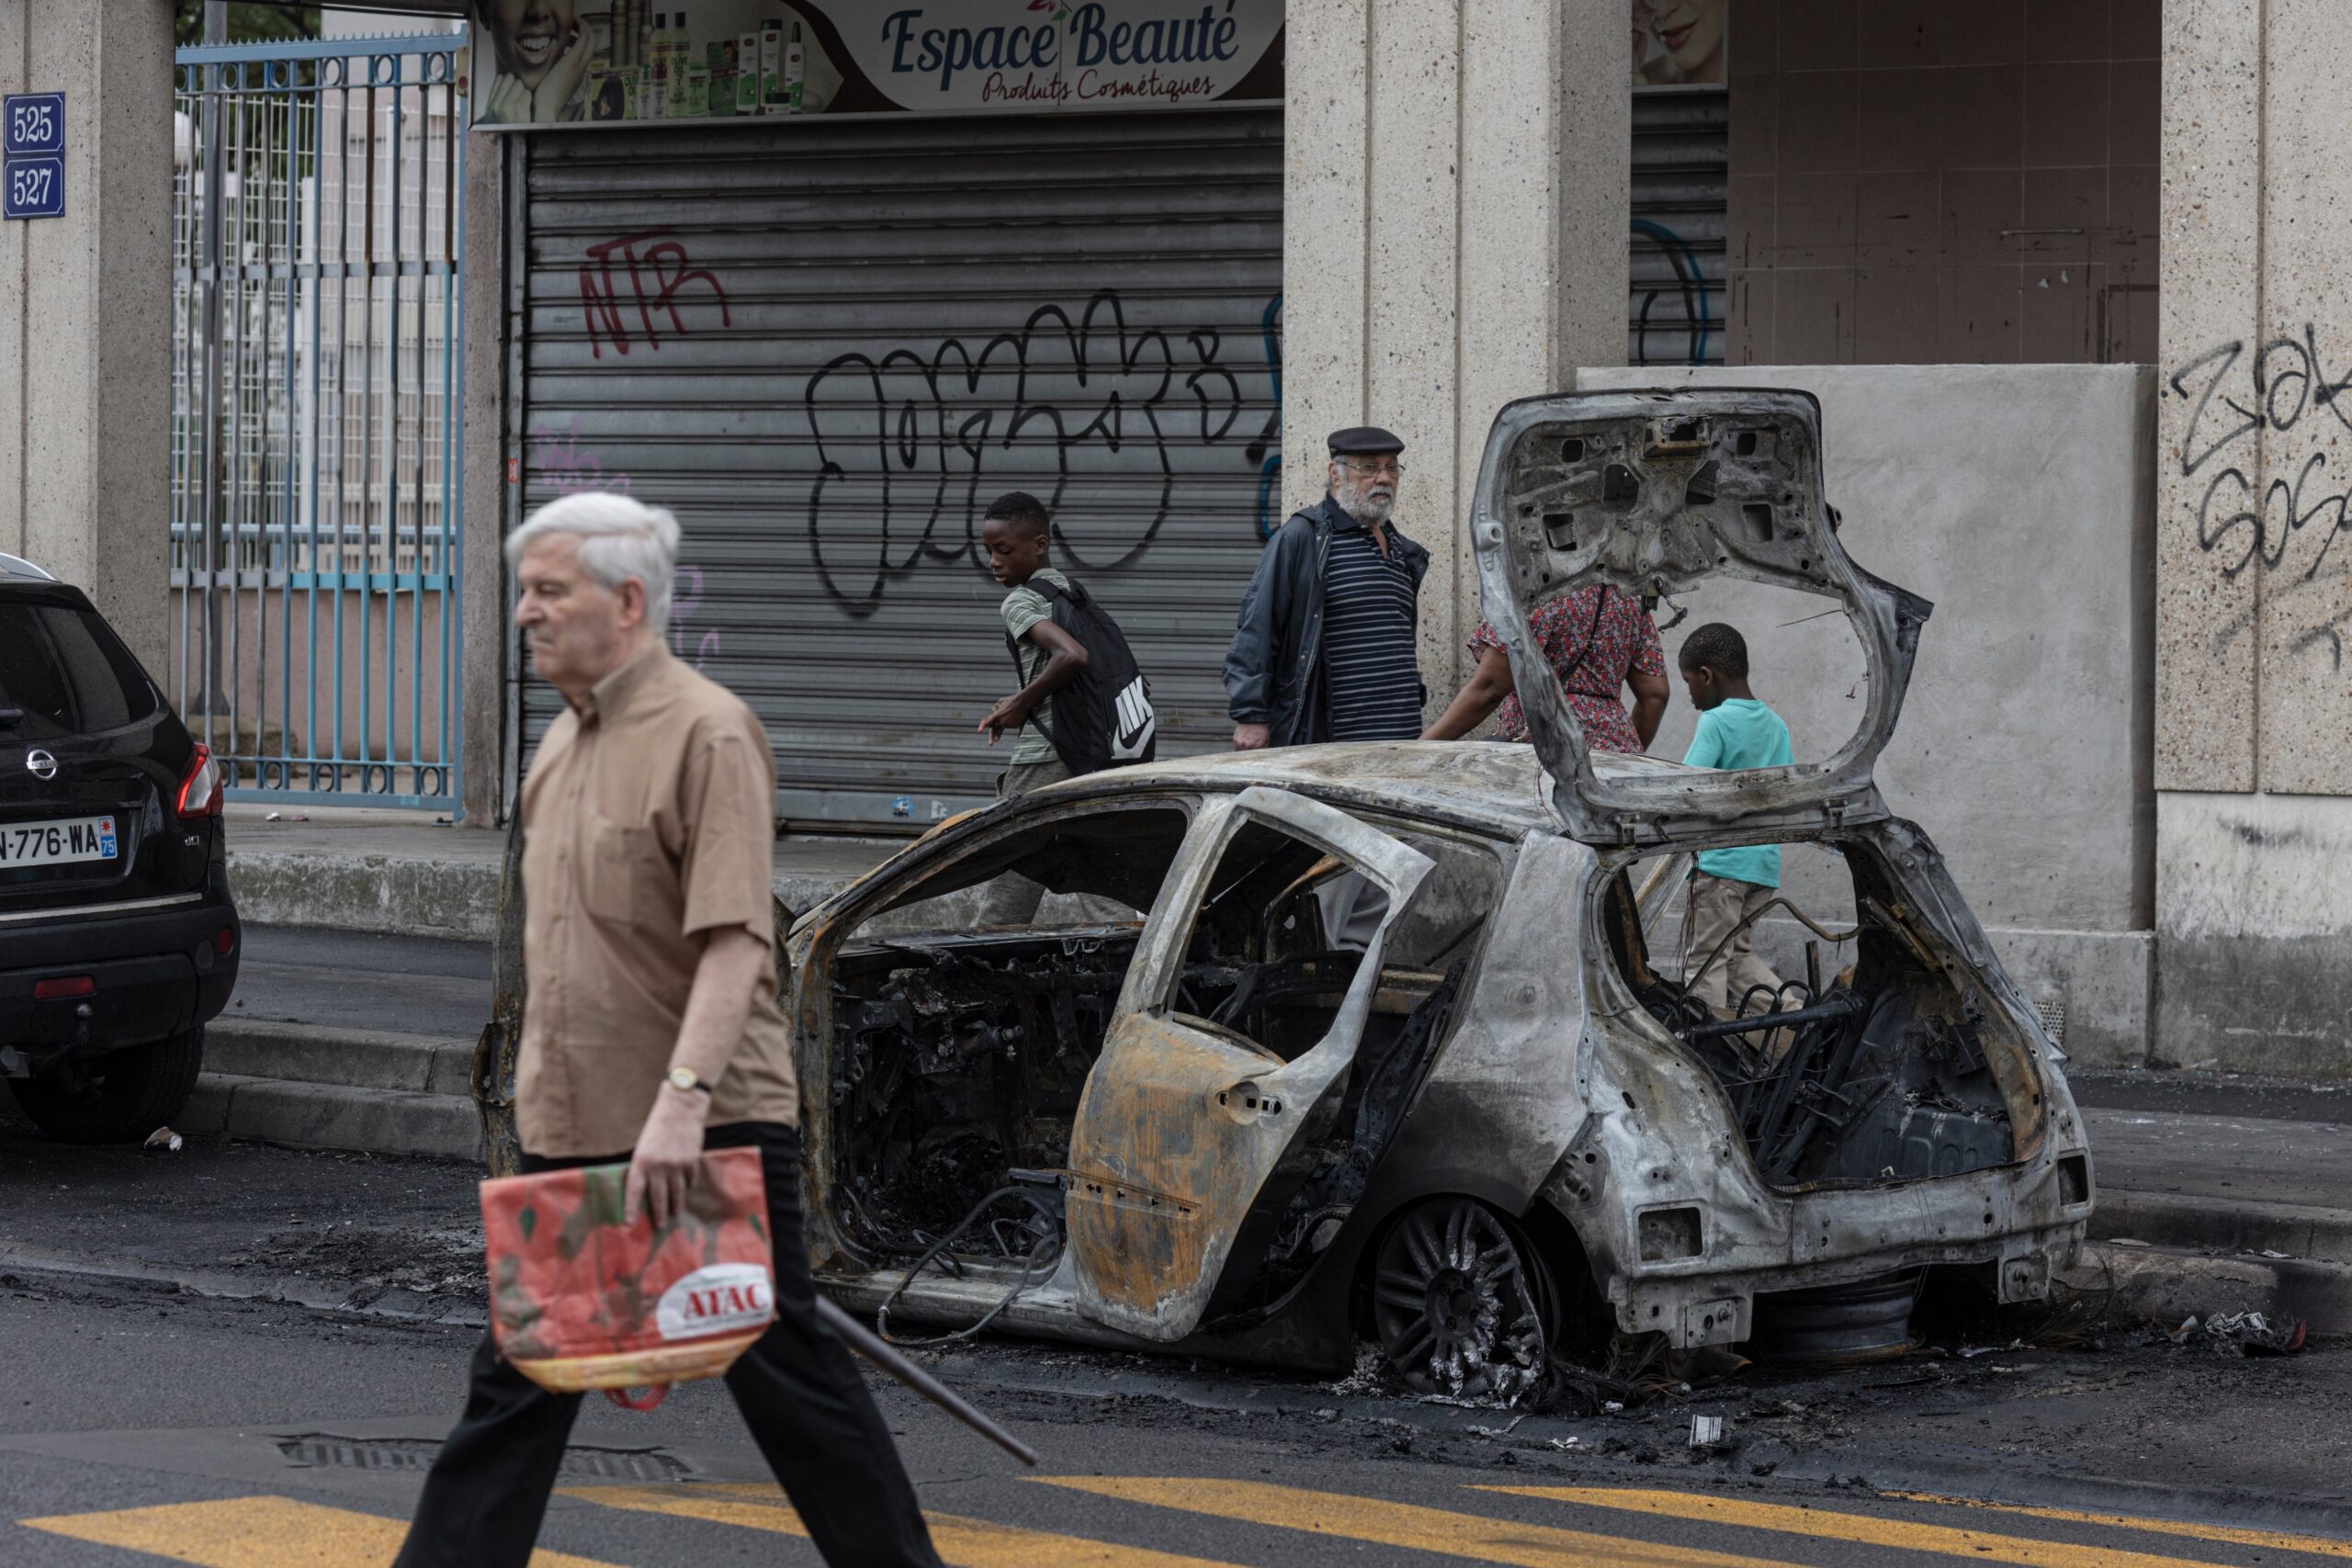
x=629, y=285
x=568, y=469
x=912, y=443
x=1267, y=450
x=685, y=597
x=2273, y=409
x=557, y=456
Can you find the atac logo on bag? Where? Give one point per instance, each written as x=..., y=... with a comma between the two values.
x=719, y=1299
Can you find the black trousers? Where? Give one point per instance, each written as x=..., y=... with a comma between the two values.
x=799, y=1393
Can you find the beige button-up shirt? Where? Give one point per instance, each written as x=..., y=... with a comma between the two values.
x=647, y=821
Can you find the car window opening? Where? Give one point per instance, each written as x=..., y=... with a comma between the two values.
x=1276, y=945
x=962, y=1049
x=1850, y=1055
x=963, y=1038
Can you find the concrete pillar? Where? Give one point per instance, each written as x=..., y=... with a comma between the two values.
x=85, y=333
x=1453, y=232
x=482, y=567
x=2254, y=690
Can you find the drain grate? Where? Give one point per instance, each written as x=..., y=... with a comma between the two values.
x=2053, y=1019
x=324, y=1449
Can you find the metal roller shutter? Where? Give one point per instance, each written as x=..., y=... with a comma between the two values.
x=828, y=348
x=1680, y=190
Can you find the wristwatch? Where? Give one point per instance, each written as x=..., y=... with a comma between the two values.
x=684, y=1078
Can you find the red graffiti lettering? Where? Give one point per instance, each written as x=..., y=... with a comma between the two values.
x=654, y=270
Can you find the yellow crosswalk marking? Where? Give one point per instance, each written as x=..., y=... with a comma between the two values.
x=1863, y=1529
x=967, y=1543
x=255, y=1533
x=1402, y=1524
x=2271, y=1540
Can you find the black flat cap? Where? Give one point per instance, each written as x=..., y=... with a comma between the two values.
x=1364, y=441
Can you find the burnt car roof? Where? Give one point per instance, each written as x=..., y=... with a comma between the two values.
x=1498, y=786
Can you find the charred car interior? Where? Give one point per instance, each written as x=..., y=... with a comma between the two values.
x=1849, y=1073
x=962, y=1053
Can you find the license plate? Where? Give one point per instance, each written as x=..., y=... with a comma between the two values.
x=56, y=843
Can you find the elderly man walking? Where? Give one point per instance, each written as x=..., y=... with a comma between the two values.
x=650, y=1032
x=1325, y=647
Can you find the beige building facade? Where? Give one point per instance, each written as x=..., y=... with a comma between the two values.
x=1963, y=224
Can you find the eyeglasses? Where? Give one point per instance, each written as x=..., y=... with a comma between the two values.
x=1375, y=466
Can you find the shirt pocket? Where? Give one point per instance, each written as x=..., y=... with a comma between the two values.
x=616, y=870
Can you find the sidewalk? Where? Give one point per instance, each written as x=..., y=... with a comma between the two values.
x=366, y=975
x=2219, y=1161
x=402, y=872
x=2221, y=1194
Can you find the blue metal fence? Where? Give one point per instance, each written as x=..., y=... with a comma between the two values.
x=318, y=470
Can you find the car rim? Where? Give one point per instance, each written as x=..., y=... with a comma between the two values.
x=1455, y=1305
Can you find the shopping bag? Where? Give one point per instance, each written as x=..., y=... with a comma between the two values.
x=580, y=1300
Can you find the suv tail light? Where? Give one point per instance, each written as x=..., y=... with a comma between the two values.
x=200, y=791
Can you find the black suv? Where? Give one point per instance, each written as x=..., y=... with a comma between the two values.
x=118, y=940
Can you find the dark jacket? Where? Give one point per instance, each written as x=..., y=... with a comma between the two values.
x=1274, y=671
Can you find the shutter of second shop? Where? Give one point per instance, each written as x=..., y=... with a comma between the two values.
x=1680, y=190
x=826, y=347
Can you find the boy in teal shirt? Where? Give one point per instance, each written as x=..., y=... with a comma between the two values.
x=1729, y=885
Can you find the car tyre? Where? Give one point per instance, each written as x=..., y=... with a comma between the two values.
x=116, y=1098
x=1462, y=1304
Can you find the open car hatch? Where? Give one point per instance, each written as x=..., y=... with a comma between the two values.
x=1183, y=1121
x=1653, y=492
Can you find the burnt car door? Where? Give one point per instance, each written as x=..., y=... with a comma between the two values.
x=1184, y=1119
x=1653, y=493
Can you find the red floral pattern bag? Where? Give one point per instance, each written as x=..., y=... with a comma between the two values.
x=579, y=1300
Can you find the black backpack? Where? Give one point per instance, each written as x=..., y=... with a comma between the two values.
x=1103, y=718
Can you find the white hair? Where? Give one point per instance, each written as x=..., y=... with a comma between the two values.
x=619, y=538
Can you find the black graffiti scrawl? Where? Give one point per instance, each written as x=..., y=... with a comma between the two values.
x=913, y=444
x=2282, y=396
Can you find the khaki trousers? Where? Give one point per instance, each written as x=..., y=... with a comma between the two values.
x=1717, y=904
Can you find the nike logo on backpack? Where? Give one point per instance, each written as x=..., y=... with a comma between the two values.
x=1136, y=721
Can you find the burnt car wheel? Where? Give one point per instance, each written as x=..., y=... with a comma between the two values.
x=1462, y=1303
x=118, y=1098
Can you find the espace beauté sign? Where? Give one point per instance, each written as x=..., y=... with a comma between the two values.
x=715, y=61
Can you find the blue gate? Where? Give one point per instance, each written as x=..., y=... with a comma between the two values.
x=316, y=371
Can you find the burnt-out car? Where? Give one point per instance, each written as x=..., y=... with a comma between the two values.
x=1260, y=1055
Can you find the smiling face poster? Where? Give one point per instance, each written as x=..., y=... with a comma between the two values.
x=1679, y=43
x=570, y=61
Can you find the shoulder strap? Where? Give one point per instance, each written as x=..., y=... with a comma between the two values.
x=1590, y=634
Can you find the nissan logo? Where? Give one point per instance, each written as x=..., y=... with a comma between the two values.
x=42, y=764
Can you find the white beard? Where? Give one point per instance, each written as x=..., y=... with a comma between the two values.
x=1366, y=509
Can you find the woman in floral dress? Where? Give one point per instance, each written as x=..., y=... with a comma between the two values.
x=1598, y=641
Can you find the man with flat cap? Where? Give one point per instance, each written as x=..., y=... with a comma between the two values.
x=1325, y=647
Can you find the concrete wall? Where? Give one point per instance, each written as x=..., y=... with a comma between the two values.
x=2254, y=736
x=1454, y=236
x=2018, y=500
x=1942, y=181
x=85, y=312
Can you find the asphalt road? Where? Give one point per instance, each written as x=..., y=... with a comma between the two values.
x=248, y=1435
x=243, y=1356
